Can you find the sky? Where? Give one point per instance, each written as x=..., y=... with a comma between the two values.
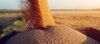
x=56, y=4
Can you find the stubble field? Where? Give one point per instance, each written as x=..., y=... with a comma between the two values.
x=78, y=19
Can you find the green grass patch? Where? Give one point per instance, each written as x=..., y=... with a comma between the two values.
x=19, y=24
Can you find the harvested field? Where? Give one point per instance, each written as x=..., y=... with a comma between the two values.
x=87, y=22
x=71, y=18
x=78, y=18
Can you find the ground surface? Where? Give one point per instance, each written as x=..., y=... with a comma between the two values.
x=76, y=19
x=71, y=18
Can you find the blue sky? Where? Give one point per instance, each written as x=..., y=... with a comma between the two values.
x=55, y=4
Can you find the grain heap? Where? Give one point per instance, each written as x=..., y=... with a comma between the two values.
x=44, y=30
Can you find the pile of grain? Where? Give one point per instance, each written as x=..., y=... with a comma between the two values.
x=58, y=34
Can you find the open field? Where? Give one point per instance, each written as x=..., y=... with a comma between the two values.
x=9, y=14
x=78, y=13
x=87, y=22
x=79, y=21
x=79, y=18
